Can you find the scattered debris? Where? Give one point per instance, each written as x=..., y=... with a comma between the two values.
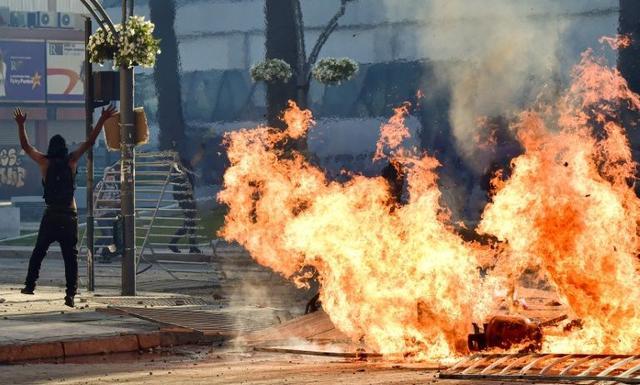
x=358, y=354
x=505, y=332
x=509, y=331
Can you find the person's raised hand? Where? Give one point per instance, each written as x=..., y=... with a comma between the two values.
x=108, y=112
x=19, y=116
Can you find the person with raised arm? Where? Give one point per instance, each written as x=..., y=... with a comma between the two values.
x=60, y=219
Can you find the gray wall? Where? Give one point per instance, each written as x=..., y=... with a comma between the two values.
x=229, y=34
x=220, y=39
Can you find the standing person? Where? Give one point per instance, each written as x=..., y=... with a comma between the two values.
x=60, y=219
x=183, y=192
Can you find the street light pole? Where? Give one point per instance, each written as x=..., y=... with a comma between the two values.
x=127, y=170
x=88, y=105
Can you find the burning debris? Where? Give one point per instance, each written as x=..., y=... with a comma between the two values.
x=395, y=273
x=505, y=332
x=509, y=332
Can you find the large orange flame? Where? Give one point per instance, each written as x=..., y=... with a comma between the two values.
x=568, y=207
x=394, y=274
x=396, y=278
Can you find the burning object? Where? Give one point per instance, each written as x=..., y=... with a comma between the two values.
x=505, y=332
x=566, y=208
x=508, y=332
x=375, y=259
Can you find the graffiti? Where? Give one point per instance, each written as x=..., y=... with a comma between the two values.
x=11, y=171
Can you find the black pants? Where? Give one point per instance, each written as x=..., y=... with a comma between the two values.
x=188, y=226
x=56, y=226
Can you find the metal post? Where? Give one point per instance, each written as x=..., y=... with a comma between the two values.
x=127, y=175
x=88, y=107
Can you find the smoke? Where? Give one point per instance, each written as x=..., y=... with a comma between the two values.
x=505, y=55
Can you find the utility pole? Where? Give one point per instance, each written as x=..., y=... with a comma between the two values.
x=127, y=168
x=88, y=106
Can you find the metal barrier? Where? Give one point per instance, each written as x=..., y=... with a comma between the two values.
x=548, y=368
x=163, y=196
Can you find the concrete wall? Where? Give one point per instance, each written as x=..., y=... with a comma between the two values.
x=221, y=39
x=9, y=222
x=229, y=34
x=73, y=6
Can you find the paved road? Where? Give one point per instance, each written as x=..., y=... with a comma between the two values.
x=198, y=366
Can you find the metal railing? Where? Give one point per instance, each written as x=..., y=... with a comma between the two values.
x=158, y=211
x=548, y=368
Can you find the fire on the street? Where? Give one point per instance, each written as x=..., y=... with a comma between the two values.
x=394, y=272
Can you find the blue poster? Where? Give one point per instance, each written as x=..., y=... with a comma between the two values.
x=22, y=71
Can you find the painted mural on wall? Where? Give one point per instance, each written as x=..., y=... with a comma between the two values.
x=22, y=71
x=18, y=175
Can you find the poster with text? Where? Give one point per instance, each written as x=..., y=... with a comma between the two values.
x=22, y=71
x=65, y=71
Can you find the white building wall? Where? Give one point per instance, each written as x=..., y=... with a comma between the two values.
x=72, y=6
x=25, y=5
x=229, y=34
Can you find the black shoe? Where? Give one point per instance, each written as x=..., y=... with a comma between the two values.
x=195, y=250
x=68, y=300
x=27, y=290
x=174, y=249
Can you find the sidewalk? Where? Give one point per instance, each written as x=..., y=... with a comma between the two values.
x=200, y=307
x=41, y=327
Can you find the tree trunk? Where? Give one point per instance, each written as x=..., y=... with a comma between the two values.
x=303, y=95
x=629, y=66
x=629, y=58
x=167, y=77
x=302, y=83
x=280, y=44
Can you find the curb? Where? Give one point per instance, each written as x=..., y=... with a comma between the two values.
x=92, y=346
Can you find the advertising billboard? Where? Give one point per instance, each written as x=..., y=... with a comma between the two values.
x=65, y=68
x=22, y=71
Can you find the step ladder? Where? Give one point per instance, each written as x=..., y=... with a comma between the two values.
x=164, y=204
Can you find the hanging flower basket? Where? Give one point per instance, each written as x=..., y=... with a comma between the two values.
x=271, y=70
x=135, y=47
x=334, y=71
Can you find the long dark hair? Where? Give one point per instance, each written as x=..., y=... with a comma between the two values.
x=57, y=147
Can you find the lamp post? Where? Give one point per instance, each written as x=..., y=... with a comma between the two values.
x=127, y=168
x=127, y=149
x=88, y=105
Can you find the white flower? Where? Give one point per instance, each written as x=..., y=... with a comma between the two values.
x=334, y=71
x=135, y=47
x=271, y=70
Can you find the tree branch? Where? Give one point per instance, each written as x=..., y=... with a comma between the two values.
x=324, y=36
x=302, y=52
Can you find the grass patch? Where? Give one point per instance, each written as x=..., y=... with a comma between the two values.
x=211, y=221
x=27, y=241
